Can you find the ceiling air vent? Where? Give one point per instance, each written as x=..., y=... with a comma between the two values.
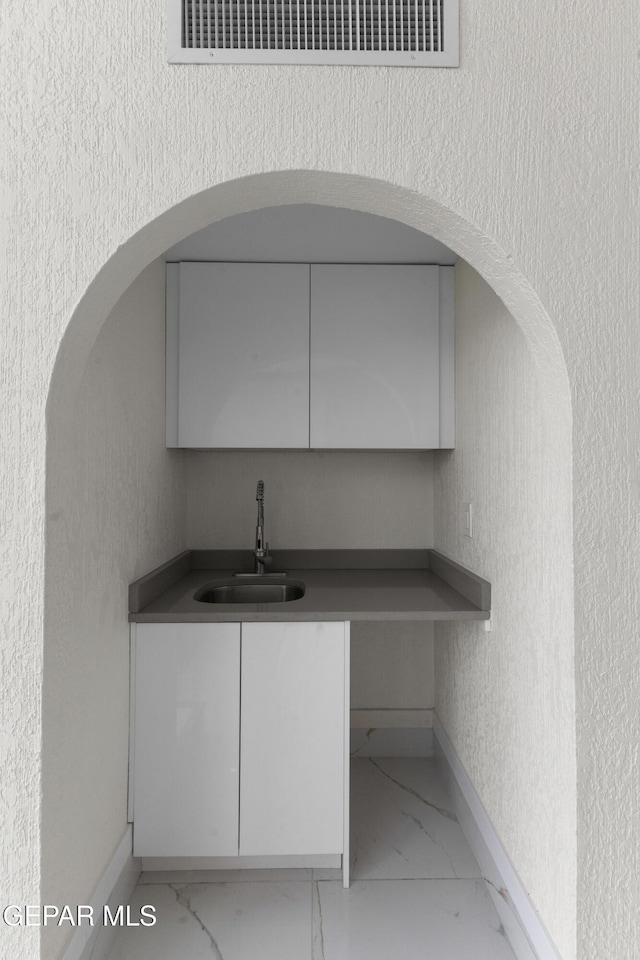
x=405, y=33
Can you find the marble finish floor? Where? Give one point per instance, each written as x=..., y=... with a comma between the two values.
x=416, y=891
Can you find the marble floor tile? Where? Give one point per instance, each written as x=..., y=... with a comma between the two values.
x=223, y=921
x=408, y=919
x=256, y=921
x=401, y=824
x=390, y=742
x=175, y=936
x=324, y=873
x=416, y=891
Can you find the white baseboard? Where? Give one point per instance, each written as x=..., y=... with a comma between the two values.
x=115, y=887
x=525, y=930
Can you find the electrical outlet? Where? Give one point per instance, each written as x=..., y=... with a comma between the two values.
x=468, y=519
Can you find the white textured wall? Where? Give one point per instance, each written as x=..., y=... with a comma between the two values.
x=318, y=500
x=115, y=502
x=506, y=698
x=523, y=160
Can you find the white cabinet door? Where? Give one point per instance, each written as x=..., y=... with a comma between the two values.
x=186, y=739
x=356, y=356
x=292, y=738
x=375, y=356
x=242, y=338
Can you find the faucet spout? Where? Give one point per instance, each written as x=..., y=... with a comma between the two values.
x=261, y=552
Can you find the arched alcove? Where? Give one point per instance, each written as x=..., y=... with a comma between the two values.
x=89, y=536
x=422, y=212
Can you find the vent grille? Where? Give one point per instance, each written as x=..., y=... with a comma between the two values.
x=401, y=32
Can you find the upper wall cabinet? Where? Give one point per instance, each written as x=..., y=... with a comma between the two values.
x=375, y=356
x=328, y=356
x=238, y=355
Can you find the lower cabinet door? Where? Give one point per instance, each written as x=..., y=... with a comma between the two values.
x=292, y=738
x=186, y=739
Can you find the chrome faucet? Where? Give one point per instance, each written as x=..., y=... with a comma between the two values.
x=261, y=552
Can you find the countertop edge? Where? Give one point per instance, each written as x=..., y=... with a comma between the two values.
x=457, y=578
x=311, y=616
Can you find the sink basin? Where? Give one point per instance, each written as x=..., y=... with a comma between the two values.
x=252, y=590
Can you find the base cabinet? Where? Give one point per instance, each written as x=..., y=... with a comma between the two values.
x=292, y=738
x=186, y=745
x=240, y=739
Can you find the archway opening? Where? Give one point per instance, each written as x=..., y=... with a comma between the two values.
x=119, y=503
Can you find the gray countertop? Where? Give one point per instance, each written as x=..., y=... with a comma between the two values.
x=340, y=585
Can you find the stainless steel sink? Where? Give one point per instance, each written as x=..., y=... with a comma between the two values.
x=251, y=590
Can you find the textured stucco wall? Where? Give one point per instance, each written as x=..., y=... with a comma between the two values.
x=115, y=510
x=506, y=698
x=523, y=160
